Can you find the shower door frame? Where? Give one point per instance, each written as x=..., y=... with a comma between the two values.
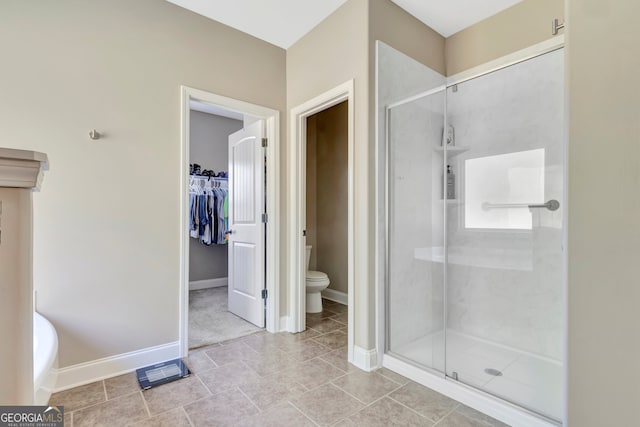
x=430, y=377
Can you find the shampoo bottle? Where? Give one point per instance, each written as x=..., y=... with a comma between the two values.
x=451, y=184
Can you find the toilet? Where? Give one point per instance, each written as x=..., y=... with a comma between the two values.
x=316, y=282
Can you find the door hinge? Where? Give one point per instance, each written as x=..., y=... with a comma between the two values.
x=264, y=294
x=265, y=218
x=264, y=142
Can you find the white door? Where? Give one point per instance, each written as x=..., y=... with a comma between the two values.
x=246, y=229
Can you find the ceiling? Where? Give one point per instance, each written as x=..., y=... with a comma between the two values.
x=284, y=22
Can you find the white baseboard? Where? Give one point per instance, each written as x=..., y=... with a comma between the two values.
x=367, y=360
x=95, y=370
x=337, y=296
x=196, y=285
x=483, y=402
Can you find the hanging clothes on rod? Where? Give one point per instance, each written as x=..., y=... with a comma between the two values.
x=208, y=201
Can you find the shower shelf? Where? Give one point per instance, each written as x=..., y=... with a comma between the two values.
x=452, y=151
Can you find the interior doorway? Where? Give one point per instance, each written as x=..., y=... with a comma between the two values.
x=229, y=274
x=334, y=104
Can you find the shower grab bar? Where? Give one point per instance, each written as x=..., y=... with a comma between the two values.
x=552, y=205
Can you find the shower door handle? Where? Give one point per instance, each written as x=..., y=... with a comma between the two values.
x=552, y=205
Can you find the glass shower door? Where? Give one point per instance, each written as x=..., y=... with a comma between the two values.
x=415, y=218
x=504, y=234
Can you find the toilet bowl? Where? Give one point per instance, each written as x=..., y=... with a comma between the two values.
x=315, y=283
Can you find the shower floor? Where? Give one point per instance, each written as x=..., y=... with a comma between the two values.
x=527, y=380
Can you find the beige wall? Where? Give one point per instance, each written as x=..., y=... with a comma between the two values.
x=334, y=52
x=107, y=219
x=328, y=176
x=397, y=28
x=518, y=27
x=603, y=58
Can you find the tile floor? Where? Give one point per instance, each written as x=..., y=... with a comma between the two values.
x=270, y=380
x=211, y=322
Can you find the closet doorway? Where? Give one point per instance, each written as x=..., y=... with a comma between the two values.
x=228, y=278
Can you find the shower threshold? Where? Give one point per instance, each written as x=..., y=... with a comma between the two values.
x=524, y=379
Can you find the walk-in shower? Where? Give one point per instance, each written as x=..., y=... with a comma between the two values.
x=472, y=184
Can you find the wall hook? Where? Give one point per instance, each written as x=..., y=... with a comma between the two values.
x=94, y=134
x=556, y=26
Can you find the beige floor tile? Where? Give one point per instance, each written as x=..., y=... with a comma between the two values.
x=326, y=312
x=393, y=376
x=198, y=361
x=283, y=415
x=79, y=397
x=267, y=342
x=327, y=404
x=342, y=318
x=121, y=385
x=366, y=386
x=308, y=349
x=224, y=409
x=335, y=339
x=174, y=394
x=229, y=353
x=225, y=378
x=325, y=325
x=242, y=338
x=310, y=374
x=339, y=359
x=174, y=418
x=265, y=393
x=68, y=419
x=464, y=416
x=425, y=401
x=387, y=412
x=269, y=362
x=338, y=308
x=344, y=423
x=119, y=411
x=304, y=335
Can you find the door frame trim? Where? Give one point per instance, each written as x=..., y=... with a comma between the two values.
x=296, y=172
x=272, y=121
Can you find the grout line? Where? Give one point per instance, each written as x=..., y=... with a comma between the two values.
x=411, y=409
x=104, y=387
x=346, y=392
x=302, y=412
x=389, y=378
x=187, y=415
x=248, y=398
x=207, y=356
x=448, y=413
x=204, y=385
x=144, y=402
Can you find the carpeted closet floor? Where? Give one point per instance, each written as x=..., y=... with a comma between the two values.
x=209, y=320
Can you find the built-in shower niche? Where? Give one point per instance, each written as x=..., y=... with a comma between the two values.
x=474, y=282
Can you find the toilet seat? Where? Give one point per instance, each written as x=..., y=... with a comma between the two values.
x=314, y=276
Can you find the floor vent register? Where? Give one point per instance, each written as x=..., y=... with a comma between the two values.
x=162, y=373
